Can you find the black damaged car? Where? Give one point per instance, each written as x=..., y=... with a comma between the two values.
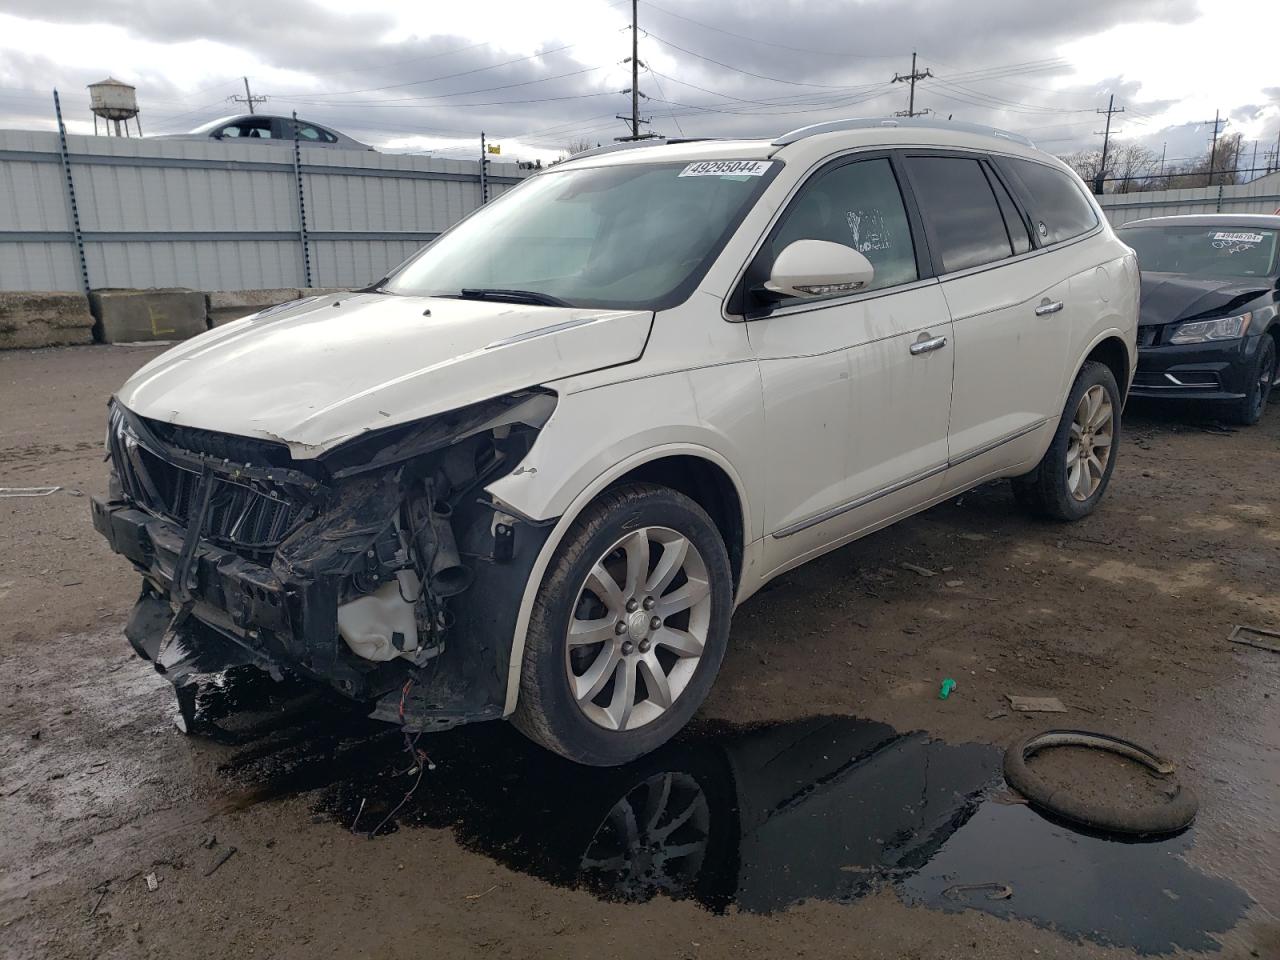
x=1208, y=328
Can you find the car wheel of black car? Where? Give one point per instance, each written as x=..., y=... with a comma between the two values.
x=1262, y=378
x=628, y=628
x=1073, y=475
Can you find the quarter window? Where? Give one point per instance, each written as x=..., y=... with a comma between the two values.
x=956, y=199
x=858, y=205
x=1061, y=209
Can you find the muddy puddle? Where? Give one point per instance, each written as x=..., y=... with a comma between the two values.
x=756, y=818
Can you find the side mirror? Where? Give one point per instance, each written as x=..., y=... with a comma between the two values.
x=818, y=268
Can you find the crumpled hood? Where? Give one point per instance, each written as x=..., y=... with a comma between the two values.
x=1171, y=296
x=321, y=371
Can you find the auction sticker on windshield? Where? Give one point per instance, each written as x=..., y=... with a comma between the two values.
x=1233, y=237
x=726, y=168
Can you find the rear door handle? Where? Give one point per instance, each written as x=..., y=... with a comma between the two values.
x=1046, y=307
x=927, y=345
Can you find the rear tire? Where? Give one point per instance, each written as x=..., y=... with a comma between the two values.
x=1248, y=410
x=641, y=585
x=1073, y=475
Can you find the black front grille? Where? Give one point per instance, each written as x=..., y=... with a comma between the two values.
x=243, y=514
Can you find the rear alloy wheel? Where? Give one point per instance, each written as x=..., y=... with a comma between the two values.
x=628, y=629
x=1073, y=475
x=1089, y=440
x=1248, y=410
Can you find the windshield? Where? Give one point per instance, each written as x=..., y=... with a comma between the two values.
x=637, y=236
x=213, y=124
x=1204, y=251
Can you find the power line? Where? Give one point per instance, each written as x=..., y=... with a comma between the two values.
x=1106, y=142
x=911, y=78
x=248, y=99
x=634, y=60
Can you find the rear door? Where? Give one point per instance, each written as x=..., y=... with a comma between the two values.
x=857, y=388
x=1004, y=300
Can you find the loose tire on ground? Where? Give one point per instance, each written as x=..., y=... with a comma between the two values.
x=1047, y=491
x=1173, y=814
x=548, y=711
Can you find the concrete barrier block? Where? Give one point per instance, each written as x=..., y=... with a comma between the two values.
x=227, y=305
x=130, y=316
x=38, y=319
x=322, y=291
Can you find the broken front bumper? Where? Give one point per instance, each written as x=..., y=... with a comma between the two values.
x=278, y=556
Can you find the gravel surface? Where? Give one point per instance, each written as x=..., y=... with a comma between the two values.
x=1123, y=617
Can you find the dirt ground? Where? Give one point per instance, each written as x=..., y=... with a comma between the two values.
x=1124, y=617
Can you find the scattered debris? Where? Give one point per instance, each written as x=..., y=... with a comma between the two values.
x=153, y=882
x=917, y=569
x=222, y=858
x=993, y=891
x=1035, y=704
x=27, y=491
x=358, y=812
x=1252, y=637
x=997, y=714
x=955, y=583
x=944, y=691
x=209, y=842
x=477, y=896
x=102, y=895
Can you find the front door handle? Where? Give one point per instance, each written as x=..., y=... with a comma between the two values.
x=1046, y=307
x=927, y=345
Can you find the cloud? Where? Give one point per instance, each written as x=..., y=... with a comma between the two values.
x=536, y=77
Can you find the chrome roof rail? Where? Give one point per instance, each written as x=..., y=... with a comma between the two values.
x=869, y=123
x=632, y=145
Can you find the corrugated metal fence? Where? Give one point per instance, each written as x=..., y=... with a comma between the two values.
x=219, y=216
x=1259, y=196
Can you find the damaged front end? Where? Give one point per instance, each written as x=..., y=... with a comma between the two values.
x=381, y=568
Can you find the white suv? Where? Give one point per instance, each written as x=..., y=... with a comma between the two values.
x=531, y=473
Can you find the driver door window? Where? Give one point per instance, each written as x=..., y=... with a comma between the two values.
x=860, y=206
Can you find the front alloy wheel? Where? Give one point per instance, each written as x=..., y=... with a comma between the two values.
x=628, y=628
x=639, y=628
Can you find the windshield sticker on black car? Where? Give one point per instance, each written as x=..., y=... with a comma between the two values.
x=1238, y=237
x=726, y=168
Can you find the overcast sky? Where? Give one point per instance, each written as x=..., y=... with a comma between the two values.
x=409, y=75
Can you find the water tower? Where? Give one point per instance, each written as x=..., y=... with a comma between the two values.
x=116, y=103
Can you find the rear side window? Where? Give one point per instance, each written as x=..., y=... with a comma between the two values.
x=957, y=201
x=857, y=205
x=1060, y=209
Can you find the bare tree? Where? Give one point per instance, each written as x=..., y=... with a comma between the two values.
x=1133, y=166
x=1086, y=163
x=577, y=145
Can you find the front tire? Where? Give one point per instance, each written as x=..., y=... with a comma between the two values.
x=1073, y=475
x=628, y=628
x=1249, y=410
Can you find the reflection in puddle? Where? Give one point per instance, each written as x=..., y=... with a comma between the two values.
x=758, y=819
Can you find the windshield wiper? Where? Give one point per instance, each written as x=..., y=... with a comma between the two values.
x=516, y=296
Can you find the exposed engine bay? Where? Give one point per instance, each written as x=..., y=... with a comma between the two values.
x=381, y=568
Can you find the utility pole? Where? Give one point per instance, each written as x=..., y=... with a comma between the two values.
x=1213, y=144
x=248, y=99
x=911, y=78
x=484, y=170
x=634, y=120
x=1163, y=148
x=1098, y=181
x=1253, y=165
